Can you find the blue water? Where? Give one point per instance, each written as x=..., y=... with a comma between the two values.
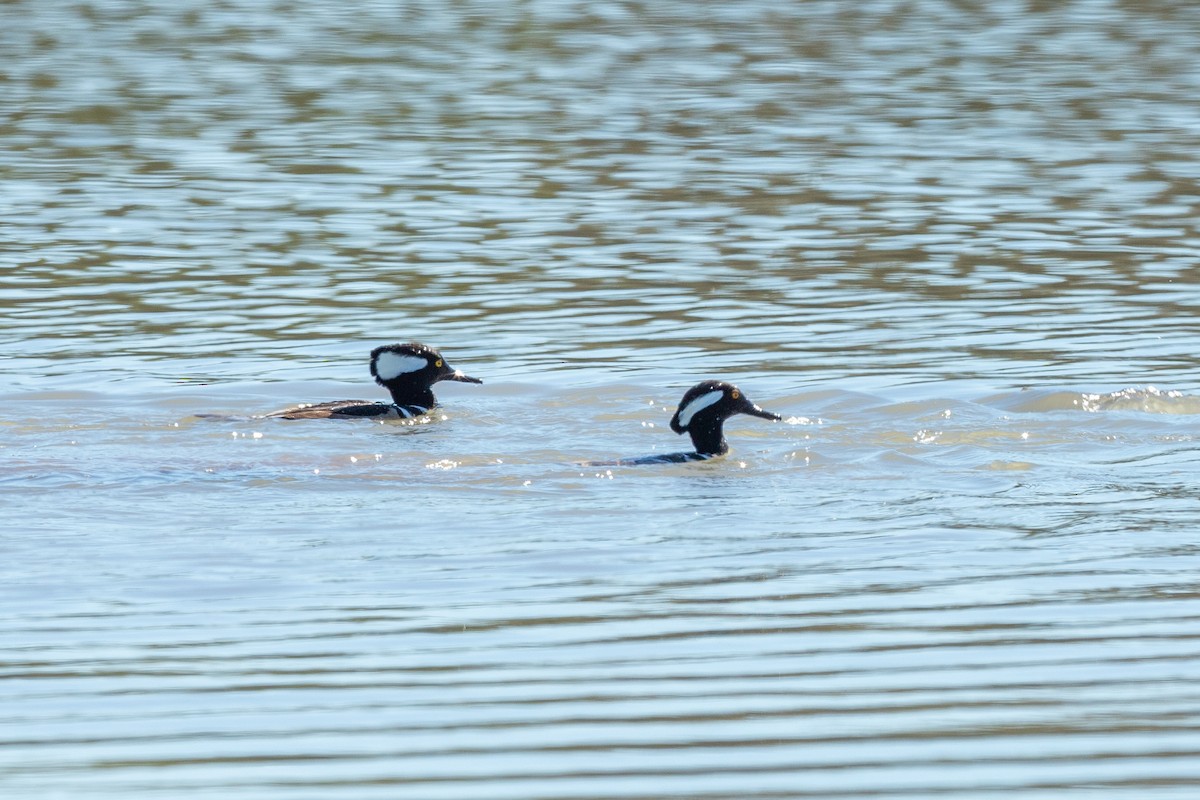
x=952, y=246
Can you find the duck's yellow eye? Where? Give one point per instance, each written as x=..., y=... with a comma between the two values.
x=438, y=363
x=735, y=394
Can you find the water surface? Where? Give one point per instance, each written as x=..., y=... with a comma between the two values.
x=953, y=244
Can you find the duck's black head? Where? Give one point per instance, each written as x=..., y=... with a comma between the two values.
x=409, y=370
x=703, y=410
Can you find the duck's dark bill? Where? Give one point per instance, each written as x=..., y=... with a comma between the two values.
x=457, y=375
x=755, y=411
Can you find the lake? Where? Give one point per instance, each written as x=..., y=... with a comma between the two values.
x=953, y=244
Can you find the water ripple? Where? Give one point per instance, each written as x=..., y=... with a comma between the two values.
x=952, y=243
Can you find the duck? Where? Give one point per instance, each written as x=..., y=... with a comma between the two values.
x=701, y=414
x=407, y=371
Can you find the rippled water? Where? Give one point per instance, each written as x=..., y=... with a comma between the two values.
x=953, y=244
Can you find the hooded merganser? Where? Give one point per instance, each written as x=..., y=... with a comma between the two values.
x=702, y=413
x=406, y=370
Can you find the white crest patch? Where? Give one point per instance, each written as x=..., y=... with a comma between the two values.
x=699, y=404
x=391, y=365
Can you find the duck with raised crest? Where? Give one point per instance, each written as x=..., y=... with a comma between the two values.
x=407, y=371
x=701, y=414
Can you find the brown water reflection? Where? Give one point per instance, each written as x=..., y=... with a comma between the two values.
x=886, y=218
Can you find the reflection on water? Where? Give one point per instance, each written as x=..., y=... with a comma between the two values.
x=941, y=238
x=1008, y=191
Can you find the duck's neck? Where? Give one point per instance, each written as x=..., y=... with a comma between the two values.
x=708, y=437
x=406, y=394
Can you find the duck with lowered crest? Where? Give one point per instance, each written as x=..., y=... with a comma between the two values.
x=701, y=414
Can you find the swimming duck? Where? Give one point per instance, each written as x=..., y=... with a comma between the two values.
x=408, y=371
x=701, y=414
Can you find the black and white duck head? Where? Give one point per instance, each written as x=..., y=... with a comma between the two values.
x=409, y=371
x=703, y=410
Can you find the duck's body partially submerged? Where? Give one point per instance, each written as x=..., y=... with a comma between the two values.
x=701, y=414
x=407, y=371
x=348, y=409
